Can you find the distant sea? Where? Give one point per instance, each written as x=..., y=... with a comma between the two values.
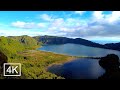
x=104, y=42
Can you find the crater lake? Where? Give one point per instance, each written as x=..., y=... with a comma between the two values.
x=79, y=68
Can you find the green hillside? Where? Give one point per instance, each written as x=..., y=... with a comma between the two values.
x=21, y=49
x=10, y=46
x=27, y=41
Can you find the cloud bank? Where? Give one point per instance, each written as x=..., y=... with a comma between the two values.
x=99, y=25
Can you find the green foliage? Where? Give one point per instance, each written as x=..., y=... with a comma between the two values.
x=10, y=47
x=19, y=49
x=34, y=66
x=37, y=73
x=27, y=41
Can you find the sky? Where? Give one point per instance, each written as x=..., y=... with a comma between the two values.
x=91, y=25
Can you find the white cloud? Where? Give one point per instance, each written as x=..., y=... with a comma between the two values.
x=21, y=32
x=41, y=25
x=65, y=29
x=80, y=12
x=58, y=22
x=52, y=28
x=98, y=17
x=115, y=16
x=46, y=17
x=98, y=14
x=98, y=26
x=112, y=18
x=70, y=20
x=28, y=25
x=91, y=32
x=20, y=24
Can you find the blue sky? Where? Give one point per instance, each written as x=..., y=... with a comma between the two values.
x=91, y=25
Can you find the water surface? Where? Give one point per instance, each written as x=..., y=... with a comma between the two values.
x=78, y=50
x=79, y=68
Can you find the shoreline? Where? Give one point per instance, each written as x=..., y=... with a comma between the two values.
x=45, y=64
x=61, y=63
x=74, y=58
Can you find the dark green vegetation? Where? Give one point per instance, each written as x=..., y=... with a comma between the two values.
x=20, y=49
x=3, y=59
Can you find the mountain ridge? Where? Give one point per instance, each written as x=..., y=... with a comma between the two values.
x=63, y=40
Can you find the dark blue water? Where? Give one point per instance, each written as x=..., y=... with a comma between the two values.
x=79, y=68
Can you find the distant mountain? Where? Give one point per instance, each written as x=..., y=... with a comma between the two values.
x=114, y=46
x=63, y=40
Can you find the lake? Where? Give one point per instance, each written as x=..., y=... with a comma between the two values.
x=79, y=68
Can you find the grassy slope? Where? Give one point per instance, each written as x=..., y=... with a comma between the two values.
x=34, y=63
x=10, y=47
x=27, y=41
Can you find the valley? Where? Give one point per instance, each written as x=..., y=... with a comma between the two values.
x=24, y=50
